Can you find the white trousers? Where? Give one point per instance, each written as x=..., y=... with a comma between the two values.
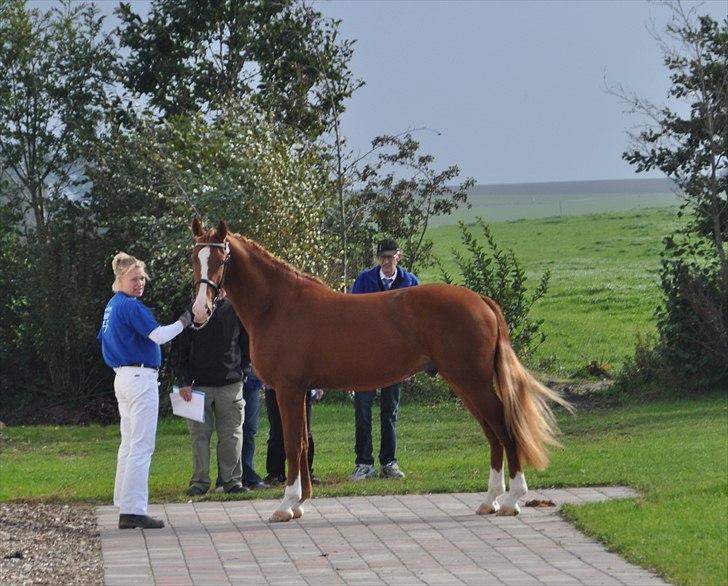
x=137, y=393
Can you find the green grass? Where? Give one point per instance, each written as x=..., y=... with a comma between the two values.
x=674, y=451
x=501, y=208
x=604, y=280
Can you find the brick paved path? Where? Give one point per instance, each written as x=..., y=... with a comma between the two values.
x=408, y=539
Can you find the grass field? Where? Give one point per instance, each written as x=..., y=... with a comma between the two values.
x=604, y=280
x=501, y=208
x=674, y=451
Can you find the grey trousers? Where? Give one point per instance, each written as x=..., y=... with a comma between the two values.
x=224, y=412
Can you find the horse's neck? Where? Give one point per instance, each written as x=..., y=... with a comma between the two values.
x=255, y=284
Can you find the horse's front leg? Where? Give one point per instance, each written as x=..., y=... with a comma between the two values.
x=305, y=471
x=291, y=405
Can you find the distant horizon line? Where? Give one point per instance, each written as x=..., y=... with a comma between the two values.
x=638, y=185
x=665, y=180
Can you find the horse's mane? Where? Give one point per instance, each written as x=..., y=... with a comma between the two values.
x=278, y=262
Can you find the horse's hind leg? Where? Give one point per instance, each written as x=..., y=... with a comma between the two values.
x=507, y=503
x=517, y=488
x=479, y=396
x=291, y=407
x=496, y=480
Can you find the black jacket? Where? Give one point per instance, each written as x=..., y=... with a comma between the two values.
x=214, y=356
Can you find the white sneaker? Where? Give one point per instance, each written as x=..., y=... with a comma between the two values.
x=362, y=471
x=220, y=488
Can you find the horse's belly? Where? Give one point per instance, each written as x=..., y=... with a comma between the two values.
x=365, y=374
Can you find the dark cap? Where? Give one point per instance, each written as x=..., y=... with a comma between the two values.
x=387, y=246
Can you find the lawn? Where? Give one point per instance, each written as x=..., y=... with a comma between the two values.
x=673, y=450
x=604, y=280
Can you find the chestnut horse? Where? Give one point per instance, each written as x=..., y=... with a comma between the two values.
x=304, y=335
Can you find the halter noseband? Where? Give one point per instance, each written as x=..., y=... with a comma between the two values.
x=216, y=286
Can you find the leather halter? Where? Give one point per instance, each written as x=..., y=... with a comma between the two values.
x=216, y=286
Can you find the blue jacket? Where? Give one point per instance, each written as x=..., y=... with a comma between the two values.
x=369, y=282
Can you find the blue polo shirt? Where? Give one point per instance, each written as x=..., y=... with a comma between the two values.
x=124, y=333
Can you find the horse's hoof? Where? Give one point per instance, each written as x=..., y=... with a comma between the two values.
x=297, y=511
x=488, y=509
x=279, y=516
x=508, y=511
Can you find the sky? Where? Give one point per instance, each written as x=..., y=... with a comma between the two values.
x=510, y=91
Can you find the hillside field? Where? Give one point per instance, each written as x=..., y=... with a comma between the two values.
x=501, y=208
x=604, y=279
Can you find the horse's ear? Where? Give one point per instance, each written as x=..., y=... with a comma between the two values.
x=197, y=227
x=222, y=230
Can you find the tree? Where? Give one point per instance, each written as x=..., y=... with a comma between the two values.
x=241, y=167
x=692, y=149
x=53, y=93
x=56, y=68
x=392, y=190
x=192, y=55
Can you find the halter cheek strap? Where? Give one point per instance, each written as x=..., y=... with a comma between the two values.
x=216, y=286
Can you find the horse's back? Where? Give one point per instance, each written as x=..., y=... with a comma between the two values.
x=446, y=301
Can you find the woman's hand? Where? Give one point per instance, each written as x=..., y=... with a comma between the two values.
x=186, y=393
x=186, y=319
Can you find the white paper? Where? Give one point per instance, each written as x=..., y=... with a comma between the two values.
x=194, y=409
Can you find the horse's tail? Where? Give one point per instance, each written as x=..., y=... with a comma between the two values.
x=525, y=400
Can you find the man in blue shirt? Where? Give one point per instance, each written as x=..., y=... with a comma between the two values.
x=386, y=275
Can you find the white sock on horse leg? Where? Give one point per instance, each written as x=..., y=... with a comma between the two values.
x=292, y=495
x=496, y=484
x=517, y=489
x=496, y=487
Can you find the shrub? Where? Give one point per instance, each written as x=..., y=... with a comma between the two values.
x=498, y=274
x=693, y=321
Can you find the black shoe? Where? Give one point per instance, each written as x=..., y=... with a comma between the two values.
x=141, y=521
x=273, y=480
x=315, y=480
x=196, y=491
x=260, y=485
x=237, y=488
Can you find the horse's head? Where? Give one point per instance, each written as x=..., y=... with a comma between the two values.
x=209, y=261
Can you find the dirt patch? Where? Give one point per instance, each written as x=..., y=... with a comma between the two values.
x=584, y=394
x=49, y=544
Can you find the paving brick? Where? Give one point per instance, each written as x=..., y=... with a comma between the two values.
x=397, y=540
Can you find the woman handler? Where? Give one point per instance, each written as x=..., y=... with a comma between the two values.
x=130, y=338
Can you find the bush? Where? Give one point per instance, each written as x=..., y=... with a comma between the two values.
x=689, y=351
x=51, y=317
x=693, y=320
x=498, y=274
x=427, y=389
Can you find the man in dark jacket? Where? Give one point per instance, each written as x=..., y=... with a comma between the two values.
x=386, y=275
x=214, y=359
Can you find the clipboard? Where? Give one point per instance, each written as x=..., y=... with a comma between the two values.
x=194, y=409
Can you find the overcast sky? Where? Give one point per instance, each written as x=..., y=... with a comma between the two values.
x=515, y=89
x=511, y=91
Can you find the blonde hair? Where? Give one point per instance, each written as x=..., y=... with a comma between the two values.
x=122, y=264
